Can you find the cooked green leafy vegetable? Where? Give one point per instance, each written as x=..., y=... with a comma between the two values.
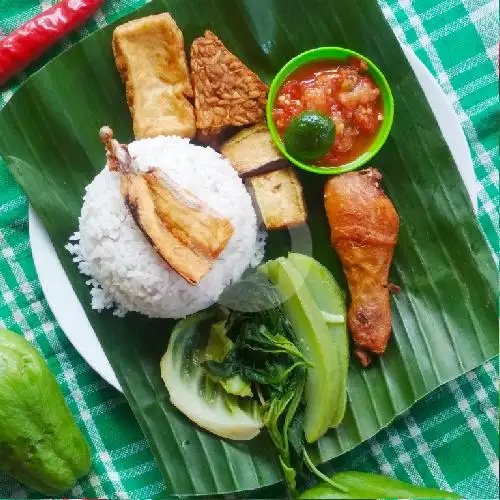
x=265, y=355
x=315, y=339
x=261, y=353
x=365, y=485
x=219, y=345
x=254, y=346
x=201, y=398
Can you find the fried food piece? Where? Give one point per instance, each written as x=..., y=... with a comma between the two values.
x=226, y=92
x=187, y=234
x=279, y=197
x=150, y=57
x=364, y=230
x=190, y=221
x=216, y=141
x=275, y=187
x=182, y=259
x=252, y=151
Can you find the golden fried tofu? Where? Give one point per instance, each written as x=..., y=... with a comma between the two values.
x=150, y=57
x=226, y=92
x=279, y=198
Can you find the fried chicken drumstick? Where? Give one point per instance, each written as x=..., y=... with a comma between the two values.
x=364, y=230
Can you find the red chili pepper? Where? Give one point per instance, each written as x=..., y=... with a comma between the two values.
x=29, y=41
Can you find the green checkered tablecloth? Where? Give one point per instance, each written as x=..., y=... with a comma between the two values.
x=448, y=440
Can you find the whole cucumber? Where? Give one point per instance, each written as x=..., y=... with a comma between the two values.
x=40, y=443
x=365, y=485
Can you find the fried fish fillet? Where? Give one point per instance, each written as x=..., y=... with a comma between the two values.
x=226, y=92
x=189, y=220
x=137, y=196
x=364, y=230
x=150, y=57
x=185, y=232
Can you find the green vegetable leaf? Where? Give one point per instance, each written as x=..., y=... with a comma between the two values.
x=236, y=385
x=261, y=339
x=204, y=400
x=218, y=346
x=263, y=352
x=278, y=416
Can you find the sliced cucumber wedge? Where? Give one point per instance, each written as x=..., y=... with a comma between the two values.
x=316, y=342
x=330, y=299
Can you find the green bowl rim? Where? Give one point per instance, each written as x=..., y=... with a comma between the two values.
x=324, y=53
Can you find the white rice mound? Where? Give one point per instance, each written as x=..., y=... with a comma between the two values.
x=125, y=272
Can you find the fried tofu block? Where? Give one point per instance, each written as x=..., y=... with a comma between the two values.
x=150, y=57
x=279, y=198
x=252, y=151
x=226, y=92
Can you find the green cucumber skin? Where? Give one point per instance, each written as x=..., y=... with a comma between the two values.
x=40, y=443
x=364, y=485
x=314, y=339
x=330, y=298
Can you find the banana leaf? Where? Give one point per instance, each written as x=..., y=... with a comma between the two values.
x=444, y=318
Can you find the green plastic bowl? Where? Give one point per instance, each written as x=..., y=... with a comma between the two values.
x=337, y=54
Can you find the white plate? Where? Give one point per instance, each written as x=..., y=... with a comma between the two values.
x=70, y=314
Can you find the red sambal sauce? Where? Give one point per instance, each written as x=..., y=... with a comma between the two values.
x=342, y=90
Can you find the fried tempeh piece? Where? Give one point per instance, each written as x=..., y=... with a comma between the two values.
x=226, y=92
x=150, y=57
x=279, y=197
x=187, y=234
x=364, y=230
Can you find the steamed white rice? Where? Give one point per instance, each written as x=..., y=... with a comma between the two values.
x=126, y=274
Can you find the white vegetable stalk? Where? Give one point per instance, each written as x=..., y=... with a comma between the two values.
x=333, y=318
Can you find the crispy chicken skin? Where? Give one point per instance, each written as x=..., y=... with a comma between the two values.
x=150, y=57
x=364, y=230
